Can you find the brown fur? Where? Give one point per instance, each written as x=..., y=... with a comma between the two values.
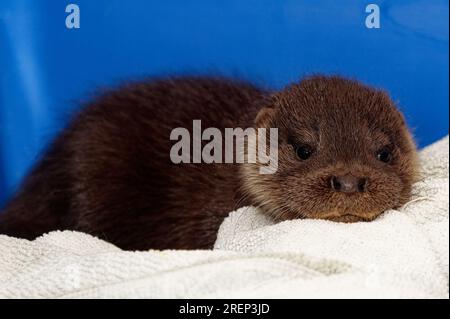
x=109, y=173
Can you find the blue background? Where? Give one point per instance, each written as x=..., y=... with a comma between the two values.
x=47, y=69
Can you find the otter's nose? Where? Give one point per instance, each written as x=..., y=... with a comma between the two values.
x=348, y=184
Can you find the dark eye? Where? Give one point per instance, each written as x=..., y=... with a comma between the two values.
x=303, y=152
x=384, y=155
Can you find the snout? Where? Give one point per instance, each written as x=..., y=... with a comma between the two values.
x=348, y=184
x=349, y=192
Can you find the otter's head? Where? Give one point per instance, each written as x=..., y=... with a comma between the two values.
x=344, y=153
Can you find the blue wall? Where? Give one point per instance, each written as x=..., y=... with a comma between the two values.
x=46, y=69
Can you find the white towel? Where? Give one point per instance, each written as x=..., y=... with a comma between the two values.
x=402, y=254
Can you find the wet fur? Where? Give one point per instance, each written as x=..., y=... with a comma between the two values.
x=109, y=173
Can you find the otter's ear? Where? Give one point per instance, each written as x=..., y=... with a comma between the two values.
x=266, y=113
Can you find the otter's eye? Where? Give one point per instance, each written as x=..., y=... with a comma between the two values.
x=384, y=155
x=303, y=152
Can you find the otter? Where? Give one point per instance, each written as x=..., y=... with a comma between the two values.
x=345, y=154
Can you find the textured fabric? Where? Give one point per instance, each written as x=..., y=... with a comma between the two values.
x=402, y=254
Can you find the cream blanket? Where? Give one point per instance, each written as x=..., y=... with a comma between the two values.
x=402, y=254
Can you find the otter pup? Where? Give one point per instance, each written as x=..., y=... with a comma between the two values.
x=345, y=154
